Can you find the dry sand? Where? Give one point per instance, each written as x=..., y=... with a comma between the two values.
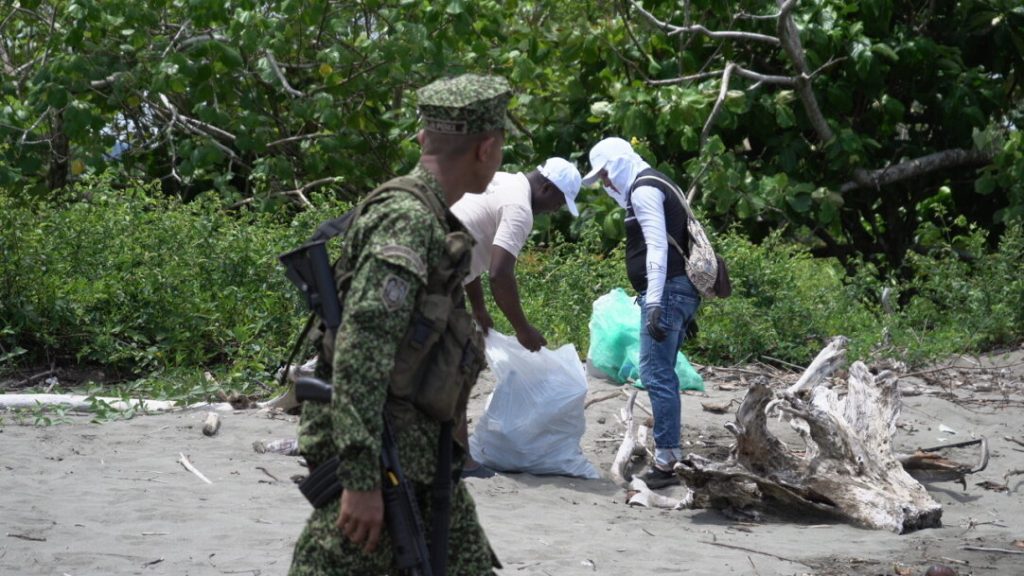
x=88, y=499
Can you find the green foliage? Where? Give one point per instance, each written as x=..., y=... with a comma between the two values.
x=962, y=297
x=785, y=304
x=135, y=280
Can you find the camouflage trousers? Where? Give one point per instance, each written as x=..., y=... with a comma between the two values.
x=322, y=550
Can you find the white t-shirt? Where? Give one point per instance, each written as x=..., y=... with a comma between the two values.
x=501, y=216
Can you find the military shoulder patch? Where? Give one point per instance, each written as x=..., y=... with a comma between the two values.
x=393, y=292
x=404, y=257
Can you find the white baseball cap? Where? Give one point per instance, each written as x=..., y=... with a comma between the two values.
x=564, y=175
x=604, y=152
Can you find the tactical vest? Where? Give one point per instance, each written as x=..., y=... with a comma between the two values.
x=441, y=353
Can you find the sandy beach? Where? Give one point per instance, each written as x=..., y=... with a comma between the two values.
x=90, y=499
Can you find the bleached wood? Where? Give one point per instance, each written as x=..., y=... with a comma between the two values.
x=824, y=364
x=847, y=467
x=81, y=403
x=184, y=461
x=212, y=424
x=643, y=496
x=620, y=466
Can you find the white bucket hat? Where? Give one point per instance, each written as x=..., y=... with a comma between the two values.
x=564, y=175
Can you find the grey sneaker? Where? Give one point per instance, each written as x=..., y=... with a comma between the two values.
x=656, y=478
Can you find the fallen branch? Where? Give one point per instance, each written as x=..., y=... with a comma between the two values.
x=26, y=537
x=32, y=378
x=597, y=399
x=986, y=549
x=638, y=494
x=752, y=551
x=184, y=461
x=85, y=404
x=620, y=466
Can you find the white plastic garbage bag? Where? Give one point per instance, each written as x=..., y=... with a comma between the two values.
x=534, y=419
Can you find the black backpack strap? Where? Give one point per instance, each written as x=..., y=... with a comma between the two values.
x=685, y=252
x=296, y=347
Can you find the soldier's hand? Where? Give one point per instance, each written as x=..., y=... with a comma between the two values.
x=531, y=338
x=361, y=518
x=483, y=320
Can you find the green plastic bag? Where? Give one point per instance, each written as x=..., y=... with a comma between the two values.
x=615, y=342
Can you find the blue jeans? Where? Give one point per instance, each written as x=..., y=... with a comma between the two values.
x=679, y=303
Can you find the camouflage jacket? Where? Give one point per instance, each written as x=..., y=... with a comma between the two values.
x=391, y=247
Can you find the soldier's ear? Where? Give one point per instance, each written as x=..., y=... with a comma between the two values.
x=419, y=137
x=488, y=148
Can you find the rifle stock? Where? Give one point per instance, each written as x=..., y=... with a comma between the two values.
x=309, y=268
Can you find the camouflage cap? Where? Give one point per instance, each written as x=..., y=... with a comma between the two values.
x=467, y=104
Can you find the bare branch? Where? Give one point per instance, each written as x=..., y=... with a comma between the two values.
x=201, y=129
x=698, y=29
x=790, y=36
x=915, y=167
x=105, y=82
x=299, y=194
x=765, y=78
x=299, y=138
x=181, y=30
x=832, y=62
x=785, y=9
x=280, y=76
x=201, y=39
x=210, y=129
x=722, y=93
x=685, y=79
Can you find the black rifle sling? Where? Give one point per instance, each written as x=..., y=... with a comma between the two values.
x=442, y=502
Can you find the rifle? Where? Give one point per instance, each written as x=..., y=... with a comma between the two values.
x=310, y=270
x=401, y=511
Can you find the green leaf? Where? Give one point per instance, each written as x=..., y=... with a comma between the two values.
x=885, y=51
x=57, y=96
x=784, y=117
x=800, y=202
x=985, y=185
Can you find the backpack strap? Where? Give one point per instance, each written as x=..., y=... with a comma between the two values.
x=675, y=189
x=682, y=198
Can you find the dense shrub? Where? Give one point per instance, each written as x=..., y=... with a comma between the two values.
x=130, y=279
x=962, y=297
x=163, y=290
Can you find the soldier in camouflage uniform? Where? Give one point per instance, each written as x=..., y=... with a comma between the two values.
x=393, y=245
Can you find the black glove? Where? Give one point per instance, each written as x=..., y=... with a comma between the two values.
x=653, y=323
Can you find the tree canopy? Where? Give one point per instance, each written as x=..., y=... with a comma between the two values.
x=863, y=129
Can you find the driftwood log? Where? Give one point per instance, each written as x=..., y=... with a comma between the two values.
x=82, y=403
x=847, y=467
